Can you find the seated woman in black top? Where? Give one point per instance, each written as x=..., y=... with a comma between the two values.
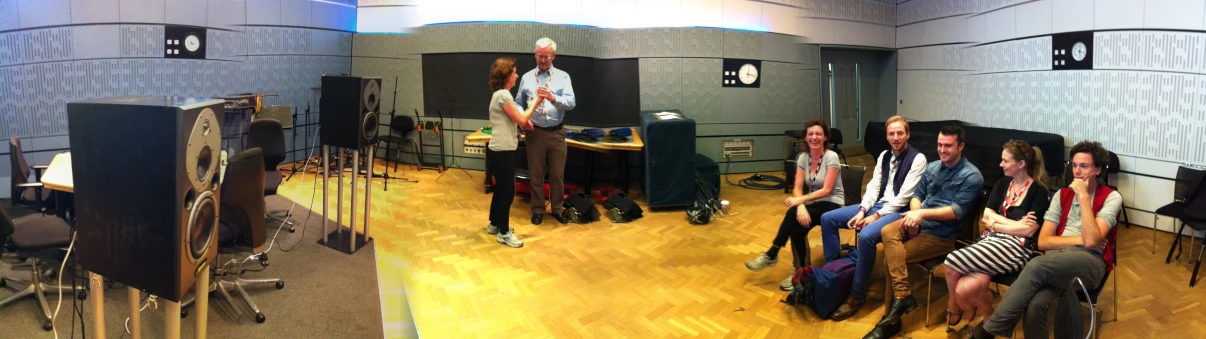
x=1011, y=220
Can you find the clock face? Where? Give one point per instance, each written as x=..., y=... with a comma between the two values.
x=747, y=74
x=1079, y=51
x=192, y=43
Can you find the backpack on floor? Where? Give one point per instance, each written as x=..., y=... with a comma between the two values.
x=621, y=209
x=823, y=289
x=580, y=209
x=706, y=203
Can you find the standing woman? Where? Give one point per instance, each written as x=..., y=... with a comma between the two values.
x=1010, y=219
x=505, y=116
x=818, y=168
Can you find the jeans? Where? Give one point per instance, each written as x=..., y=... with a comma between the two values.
x=868, y=237
x=502, y=167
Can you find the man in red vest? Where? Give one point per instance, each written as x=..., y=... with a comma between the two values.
x=1074, y=249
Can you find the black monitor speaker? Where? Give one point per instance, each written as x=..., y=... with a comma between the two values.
x=146, y=184
x=348, y=109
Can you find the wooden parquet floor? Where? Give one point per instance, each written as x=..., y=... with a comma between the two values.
x=661, y=276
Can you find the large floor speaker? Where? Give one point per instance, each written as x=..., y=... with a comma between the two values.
x=669, y=155
x=348, y=111
x=146, y=186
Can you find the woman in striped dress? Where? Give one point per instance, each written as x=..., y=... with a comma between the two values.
x=1011, y=220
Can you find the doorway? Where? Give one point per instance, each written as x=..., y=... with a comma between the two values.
x=845, y=101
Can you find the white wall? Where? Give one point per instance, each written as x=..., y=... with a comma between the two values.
x=841, y=22
x=988, y=62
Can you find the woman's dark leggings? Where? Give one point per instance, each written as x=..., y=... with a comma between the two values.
x=791, y=229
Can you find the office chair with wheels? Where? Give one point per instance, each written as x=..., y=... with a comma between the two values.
x=34, y=237
x=23, y=191
x=269, y=136
x=241, y=230
x=1187, y=175
x=835, y=142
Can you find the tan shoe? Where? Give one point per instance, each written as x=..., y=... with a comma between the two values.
x=848, y=309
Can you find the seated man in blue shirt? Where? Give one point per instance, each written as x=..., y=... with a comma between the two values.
x=948, y=191
x=545, y=143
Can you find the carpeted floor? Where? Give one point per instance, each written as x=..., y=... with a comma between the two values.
x=327, y=294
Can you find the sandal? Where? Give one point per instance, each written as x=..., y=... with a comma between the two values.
x=950, y=326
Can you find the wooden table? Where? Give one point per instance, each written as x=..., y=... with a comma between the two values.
x=601, y=147
x=58, y=178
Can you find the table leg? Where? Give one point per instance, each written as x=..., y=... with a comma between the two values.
x=489, y=173
x=623, y=171
x=590, y=173
x=171, y=318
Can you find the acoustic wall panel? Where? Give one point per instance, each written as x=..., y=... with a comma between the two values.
x=1175, y=51
x=1072, y=15
x=96, y=41
x=701, y=90
x=661, y=83
x=742, y=45
x=332, y=16
x=1033, y=54
x=702, y=43
x=1119, y=50
x=226, y=45
x=811, y=57
x=660, y=42
x=142, y=41
x=1173, y=14
x=330, y=43
x=1114, y=14
x=1034, y=18
x=782, y=48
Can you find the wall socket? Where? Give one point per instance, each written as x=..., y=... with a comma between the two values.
x=737, y=148
x=473, y=147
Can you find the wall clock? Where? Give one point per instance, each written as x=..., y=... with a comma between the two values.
x=1073, y=50
x=741, y=73
x=184, y=42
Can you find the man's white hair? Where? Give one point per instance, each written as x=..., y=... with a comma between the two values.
x=546, y=42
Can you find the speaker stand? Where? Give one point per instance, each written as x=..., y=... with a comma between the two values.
x=347, y=241
x=339, y=241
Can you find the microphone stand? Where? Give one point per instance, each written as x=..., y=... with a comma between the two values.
x=369, y=166
x=451, y=164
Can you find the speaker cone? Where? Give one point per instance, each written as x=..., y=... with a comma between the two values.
x=202, y=220
x=370, y=126
x=204, y=140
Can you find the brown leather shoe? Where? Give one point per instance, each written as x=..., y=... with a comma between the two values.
x=848, y=309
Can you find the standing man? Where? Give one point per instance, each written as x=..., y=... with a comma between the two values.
x=546, y=141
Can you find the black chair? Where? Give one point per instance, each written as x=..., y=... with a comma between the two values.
x=971, y=220
x=852, y=184
x=400, y=129
x=269, y=136
x=35, y=237
x=23, y=191
x=1114, y=168
x=1193, y=214
x=241, y=230
x=1186, y=176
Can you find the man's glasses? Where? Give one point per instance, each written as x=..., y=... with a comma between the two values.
x=544, y=57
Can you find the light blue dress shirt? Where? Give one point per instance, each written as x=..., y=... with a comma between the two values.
x=563, y=91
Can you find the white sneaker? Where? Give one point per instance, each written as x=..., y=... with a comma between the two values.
x=491, y=229
x=786, y=285
x=509, y=239
x=761, y=262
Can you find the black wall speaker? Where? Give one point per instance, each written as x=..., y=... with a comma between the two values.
x=146, y=187
x=348, y=111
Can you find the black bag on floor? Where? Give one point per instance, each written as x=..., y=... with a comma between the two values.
x=622, y=209
x=706, y=203
x=580, y=209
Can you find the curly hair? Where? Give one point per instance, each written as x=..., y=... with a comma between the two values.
x=1101, y=157
x=500, y=73
x=824, y=128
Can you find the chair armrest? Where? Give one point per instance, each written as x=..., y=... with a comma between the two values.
x=40, y=167
x=30, y=185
